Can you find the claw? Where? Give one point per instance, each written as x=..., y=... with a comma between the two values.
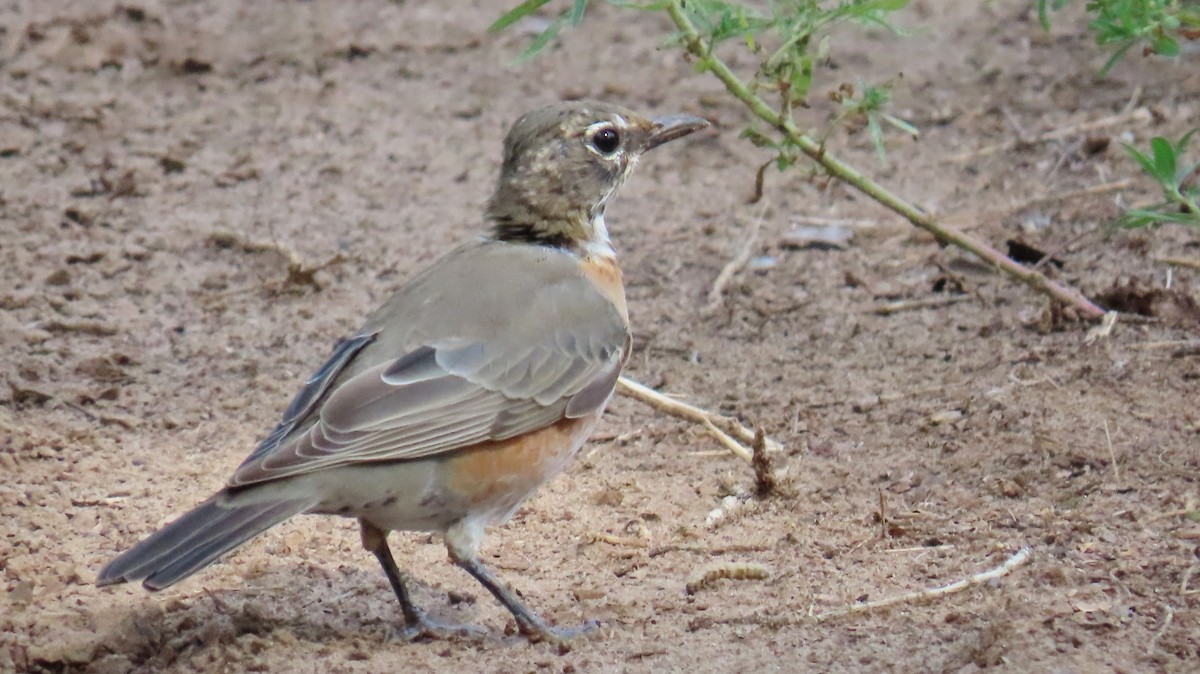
x=538, y=630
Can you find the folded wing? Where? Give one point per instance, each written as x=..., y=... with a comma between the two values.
x=450, y=391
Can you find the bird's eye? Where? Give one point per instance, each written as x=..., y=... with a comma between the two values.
x=606, y=140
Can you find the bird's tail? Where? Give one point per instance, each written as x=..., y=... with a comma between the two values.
x=196, y=540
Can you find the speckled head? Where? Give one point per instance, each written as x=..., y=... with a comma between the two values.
x=562, y=163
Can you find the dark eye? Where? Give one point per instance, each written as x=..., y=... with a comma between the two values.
x=606, y=140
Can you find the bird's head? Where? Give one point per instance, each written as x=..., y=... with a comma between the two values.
x=562, y=163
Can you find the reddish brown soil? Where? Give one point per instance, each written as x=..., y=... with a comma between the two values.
x=159, y=161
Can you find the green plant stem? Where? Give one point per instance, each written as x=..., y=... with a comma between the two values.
x=1189, y=204
x=835, y=167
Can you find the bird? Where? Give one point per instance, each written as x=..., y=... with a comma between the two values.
x=473, y=385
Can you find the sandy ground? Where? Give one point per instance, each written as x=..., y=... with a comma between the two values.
x=162, y=162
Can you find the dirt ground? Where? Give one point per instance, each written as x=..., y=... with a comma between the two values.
x=162, y=163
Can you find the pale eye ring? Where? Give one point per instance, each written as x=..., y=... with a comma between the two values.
x=606, y=140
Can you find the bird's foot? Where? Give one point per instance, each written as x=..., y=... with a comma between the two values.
x=420, y=627
x=536, y=630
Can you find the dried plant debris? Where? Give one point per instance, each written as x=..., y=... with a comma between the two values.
x=1172, y=305
x=1025, y=253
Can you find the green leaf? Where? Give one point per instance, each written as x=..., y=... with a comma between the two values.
x=1164, y=160
x=516, y=14
x=877, y=138
x=539, y=43
x=1158, y=214
x=1112, y=61
x=1194, y=516
x=1141, y=158
x=902, y=125
x=577, y=10
x=1165, y=45
x=758, y=138
x=1181, y=146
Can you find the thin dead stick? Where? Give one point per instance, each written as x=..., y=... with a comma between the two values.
x=1186, y=578
x=1181, y=344
x=922, y=548
x=1140, y=115
x=716, y=294
x=729, y=431
x=1004, y=569
x=1189, y=262
x=850, y=223
x=912, y=305
x=1092, y=191
x=1103, y=330
x=1170, y=616
x=738, y=449
x=1112, y=455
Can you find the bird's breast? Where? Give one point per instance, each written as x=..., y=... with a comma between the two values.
x=605, y=274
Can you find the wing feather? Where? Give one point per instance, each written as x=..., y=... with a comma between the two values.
x=471, y=367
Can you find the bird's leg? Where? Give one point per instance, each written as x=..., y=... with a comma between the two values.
x=416, y=624
x=464, y=553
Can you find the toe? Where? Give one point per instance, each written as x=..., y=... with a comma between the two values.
x=561, y=636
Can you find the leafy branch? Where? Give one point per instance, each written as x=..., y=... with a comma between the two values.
x=796, y=30
x=785, y=125
x=1159, y=24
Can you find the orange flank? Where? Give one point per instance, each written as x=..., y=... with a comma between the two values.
x=497, y=471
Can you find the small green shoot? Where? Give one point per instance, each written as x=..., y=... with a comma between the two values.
x=1165, y=163
x=1158, y=24
x=869, y=107
x=572, y=17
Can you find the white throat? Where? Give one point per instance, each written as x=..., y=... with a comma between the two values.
x=598, y=244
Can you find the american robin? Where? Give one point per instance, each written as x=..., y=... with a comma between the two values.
x=472, y=386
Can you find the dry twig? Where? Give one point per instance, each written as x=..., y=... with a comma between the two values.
x=1185, y=346
x=706, y=550
x=1186, y=579
x=1092, y=191
x=716, y=294
x=1167, y=619
x=922, y=303
x=728, y=431
x=1140, y=115
x=1112, y=455
x=1188, y=262
x=1103, y=330
x=848, y=223
x=1004, y=569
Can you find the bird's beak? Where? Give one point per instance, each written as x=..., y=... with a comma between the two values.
x=671, y=127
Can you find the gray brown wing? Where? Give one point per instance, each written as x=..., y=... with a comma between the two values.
x=455, y=392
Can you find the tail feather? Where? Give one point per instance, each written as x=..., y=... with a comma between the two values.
x=196, y=540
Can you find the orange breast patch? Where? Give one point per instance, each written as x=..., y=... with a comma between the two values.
x=605, y=273
x=496, y=472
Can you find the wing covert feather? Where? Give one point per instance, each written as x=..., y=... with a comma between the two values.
x=452, y=361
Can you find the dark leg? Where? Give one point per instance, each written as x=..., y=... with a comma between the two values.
x=530, y=624
x=416, y=624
